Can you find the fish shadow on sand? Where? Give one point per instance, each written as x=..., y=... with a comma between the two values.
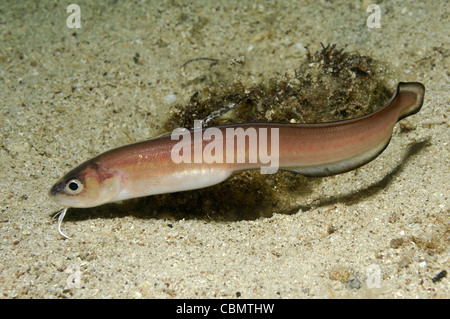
x=371, y=190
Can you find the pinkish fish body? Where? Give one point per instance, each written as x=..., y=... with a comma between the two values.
x=148, y=168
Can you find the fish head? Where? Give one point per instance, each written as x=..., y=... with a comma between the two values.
x=90, y=184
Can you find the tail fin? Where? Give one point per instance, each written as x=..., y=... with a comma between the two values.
x=410, y=95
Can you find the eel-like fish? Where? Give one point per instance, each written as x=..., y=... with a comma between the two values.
x=187, y=160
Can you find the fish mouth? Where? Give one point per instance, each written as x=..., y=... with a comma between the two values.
x=58, y=188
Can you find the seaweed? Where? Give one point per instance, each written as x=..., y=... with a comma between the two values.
x=329, y=85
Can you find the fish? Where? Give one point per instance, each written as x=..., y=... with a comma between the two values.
x=193, y=159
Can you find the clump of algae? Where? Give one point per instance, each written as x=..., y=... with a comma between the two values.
x=329, y=85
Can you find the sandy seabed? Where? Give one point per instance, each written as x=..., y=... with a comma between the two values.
x=66, y=95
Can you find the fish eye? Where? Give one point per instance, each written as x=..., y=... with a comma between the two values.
x=74, y=186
